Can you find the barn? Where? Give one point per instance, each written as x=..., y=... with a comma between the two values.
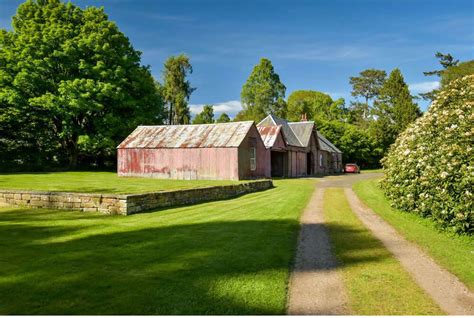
x=226, y=151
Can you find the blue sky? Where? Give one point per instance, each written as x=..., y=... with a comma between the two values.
x=312, y=44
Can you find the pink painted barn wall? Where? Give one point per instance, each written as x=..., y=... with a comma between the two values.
x=180, y=163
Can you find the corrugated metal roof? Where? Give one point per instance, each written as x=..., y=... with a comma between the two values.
x=228, y=135
x=269, y=134
x=290, y=137
x=326, y=144
x=303, y=131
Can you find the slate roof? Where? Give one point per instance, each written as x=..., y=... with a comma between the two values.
x=326, y=144
x=302, y=130
x=222, y=135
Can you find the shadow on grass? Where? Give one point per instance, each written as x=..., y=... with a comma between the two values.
x=94, y=267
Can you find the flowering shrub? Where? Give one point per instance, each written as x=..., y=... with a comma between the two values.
x=429, y=169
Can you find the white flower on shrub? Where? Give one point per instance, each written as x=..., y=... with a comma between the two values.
x=437, y=146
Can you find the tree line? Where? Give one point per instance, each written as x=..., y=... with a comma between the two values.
x=72, y=87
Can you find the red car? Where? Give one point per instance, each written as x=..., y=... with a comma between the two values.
x=351, y=168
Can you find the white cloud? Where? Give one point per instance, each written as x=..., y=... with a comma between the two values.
x=231, y=108
x=423, y=87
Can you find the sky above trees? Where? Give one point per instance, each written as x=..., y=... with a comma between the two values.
x=312, y=44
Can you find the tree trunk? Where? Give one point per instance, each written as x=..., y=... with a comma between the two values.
x=73, y=152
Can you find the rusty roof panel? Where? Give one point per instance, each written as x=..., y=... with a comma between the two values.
x=269, y=134
x=188, y=136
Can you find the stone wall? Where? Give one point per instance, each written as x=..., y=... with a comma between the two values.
x=87, y=202
x=127, y=204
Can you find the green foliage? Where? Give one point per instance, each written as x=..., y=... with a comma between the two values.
x=394, y=110
x=429, y=169
x=206, y=116
x=368, y=84
x=458, y=71
x=355, y=143
x=176, y=89
x=262, y=94
x=314, y=104
x=223, y=118
x=446, y=61
x=71, y=85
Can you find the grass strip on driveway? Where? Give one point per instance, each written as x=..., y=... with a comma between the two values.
x=455, y=253
x=98, y=182
x=376, y=282
x=224, y=257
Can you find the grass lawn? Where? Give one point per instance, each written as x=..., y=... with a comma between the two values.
x=97, y=182
x=224, y=257
x=455, y=253
x=375, y=281
x=371, y=170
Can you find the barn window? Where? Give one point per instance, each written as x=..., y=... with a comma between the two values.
x=253, y=158
x=321, y=160
x=253, y=153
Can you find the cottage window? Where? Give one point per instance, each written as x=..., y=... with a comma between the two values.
x=321, y=160
x=253, y=158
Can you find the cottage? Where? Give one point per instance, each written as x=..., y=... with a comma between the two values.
x=297, y=149
x=226, y=151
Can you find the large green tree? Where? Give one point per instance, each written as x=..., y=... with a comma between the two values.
x=367, y=85
x=177, y=89
x=263, y=93
x=314, y=105
x=446, y=61
x=70, y=81
x=206, y=116
x=394, y=110
x=223, y=118
x=456, y=71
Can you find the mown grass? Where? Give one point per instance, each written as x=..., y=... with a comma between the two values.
x=97, y=182
x=225, y=257
x=371, y=170
x=455, y=253
x=375, y=281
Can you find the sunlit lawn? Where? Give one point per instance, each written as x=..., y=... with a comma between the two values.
x=103, y=182
x=225, y=257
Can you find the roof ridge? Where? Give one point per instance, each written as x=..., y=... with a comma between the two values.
x=194, y=125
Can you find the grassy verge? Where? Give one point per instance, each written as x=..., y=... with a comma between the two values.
x=371, y=170
x=96, y=182
x=455, y=253
x=225, y=257
x=376, y=282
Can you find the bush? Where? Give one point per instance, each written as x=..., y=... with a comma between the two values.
x=429, y=170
